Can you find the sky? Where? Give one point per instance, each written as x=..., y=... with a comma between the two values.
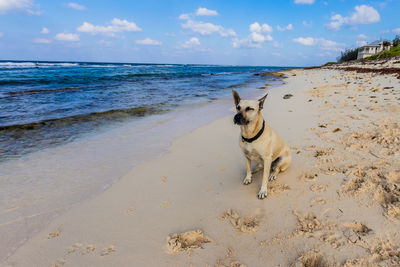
x=234, y=32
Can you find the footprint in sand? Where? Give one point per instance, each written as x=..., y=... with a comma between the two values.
x=186, y=241
x=130, y=210
x=308, y=176
x=74, y=247
x=318, y=200
x=318, y=188
x=244, y=225
x=54, y=234
x=165, y=204
x=88, y=249
x=107, y=251
x=59, y=262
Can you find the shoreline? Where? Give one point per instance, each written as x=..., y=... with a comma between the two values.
x=197, y=186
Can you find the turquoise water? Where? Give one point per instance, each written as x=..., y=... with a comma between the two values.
x=47, y=103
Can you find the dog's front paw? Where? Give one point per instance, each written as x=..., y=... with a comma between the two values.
x=262, y=194
x=247, y=180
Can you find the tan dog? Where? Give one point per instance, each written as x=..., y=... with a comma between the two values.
x=259, y=142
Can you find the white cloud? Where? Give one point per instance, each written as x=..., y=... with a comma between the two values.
x=259, y=38
x=362, y=36
x=117, y=25
x=305, y=40
x=202, y=11
x=1, y=34
x=362, y=15
x=308, y=2
x=6, y=5
x=76, y=6
x=206, y=28
x=258, y=35
x=256, y=27
x=289, y=27
x=148, y=41
x=45, y=30
x=305, y=23
x=184, y=16
x=191, y=43
x=244, y=43
x=320, y=42
x=68, y=37
x=361, y=43
x=397, y=30
x=42, y=41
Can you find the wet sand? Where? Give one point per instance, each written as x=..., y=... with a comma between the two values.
x=337, y=204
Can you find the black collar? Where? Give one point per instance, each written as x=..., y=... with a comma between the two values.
x=249, y=140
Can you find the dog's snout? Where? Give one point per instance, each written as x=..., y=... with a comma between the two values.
x=239, y=119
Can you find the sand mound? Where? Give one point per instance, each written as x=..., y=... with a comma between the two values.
x=388, y=195
x=308, y=223
x=311, y=226
x=244, y=225
x=188, y=240
x=275, y=188
x=357, y=263
x=228, y=261
x=358, y=227
x=394, y=176
x=356, y=186
x=232, y=264
x=311, y=258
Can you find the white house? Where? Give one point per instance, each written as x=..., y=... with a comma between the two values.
x=372, y=49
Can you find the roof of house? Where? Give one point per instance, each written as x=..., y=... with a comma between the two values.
x=375, y=43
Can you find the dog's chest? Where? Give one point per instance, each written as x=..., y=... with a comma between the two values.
x=250, y=152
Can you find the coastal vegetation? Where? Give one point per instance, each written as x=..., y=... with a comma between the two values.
x=394, y=52
x=348, y=54
x=351, y=54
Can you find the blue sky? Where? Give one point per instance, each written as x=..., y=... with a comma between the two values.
x=280, y=33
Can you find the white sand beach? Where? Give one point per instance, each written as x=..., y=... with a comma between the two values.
x=338, y=204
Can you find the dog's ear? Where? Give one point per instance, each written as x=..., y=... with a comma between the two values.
x=261, y=101
x=236, y=97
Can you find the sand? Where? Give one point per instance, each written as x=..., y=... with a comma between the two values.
x=338, y=204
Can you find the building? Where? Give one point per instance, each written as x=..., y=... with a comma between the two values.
x=372, y=49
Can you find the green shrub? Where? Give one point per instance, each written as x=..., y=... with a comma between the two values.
x=349, y=54
x=396, y=41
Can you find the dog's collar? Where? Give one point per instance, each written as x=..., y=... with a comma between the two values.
x=249, y=140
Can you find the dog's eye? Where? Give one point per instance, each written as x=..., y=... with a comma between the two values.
x=238, y=107
x=249, y=108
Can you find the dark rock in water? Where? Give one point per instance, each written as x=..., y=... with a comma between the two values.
x=261, y=87
x=275, y=74
x=287, y=96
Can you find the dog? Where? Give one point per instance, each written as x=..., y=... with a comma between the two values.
x=259, y=142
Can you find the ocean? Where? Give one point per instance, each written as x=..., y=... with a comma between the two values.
x=69, y=130
x=43, y=104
